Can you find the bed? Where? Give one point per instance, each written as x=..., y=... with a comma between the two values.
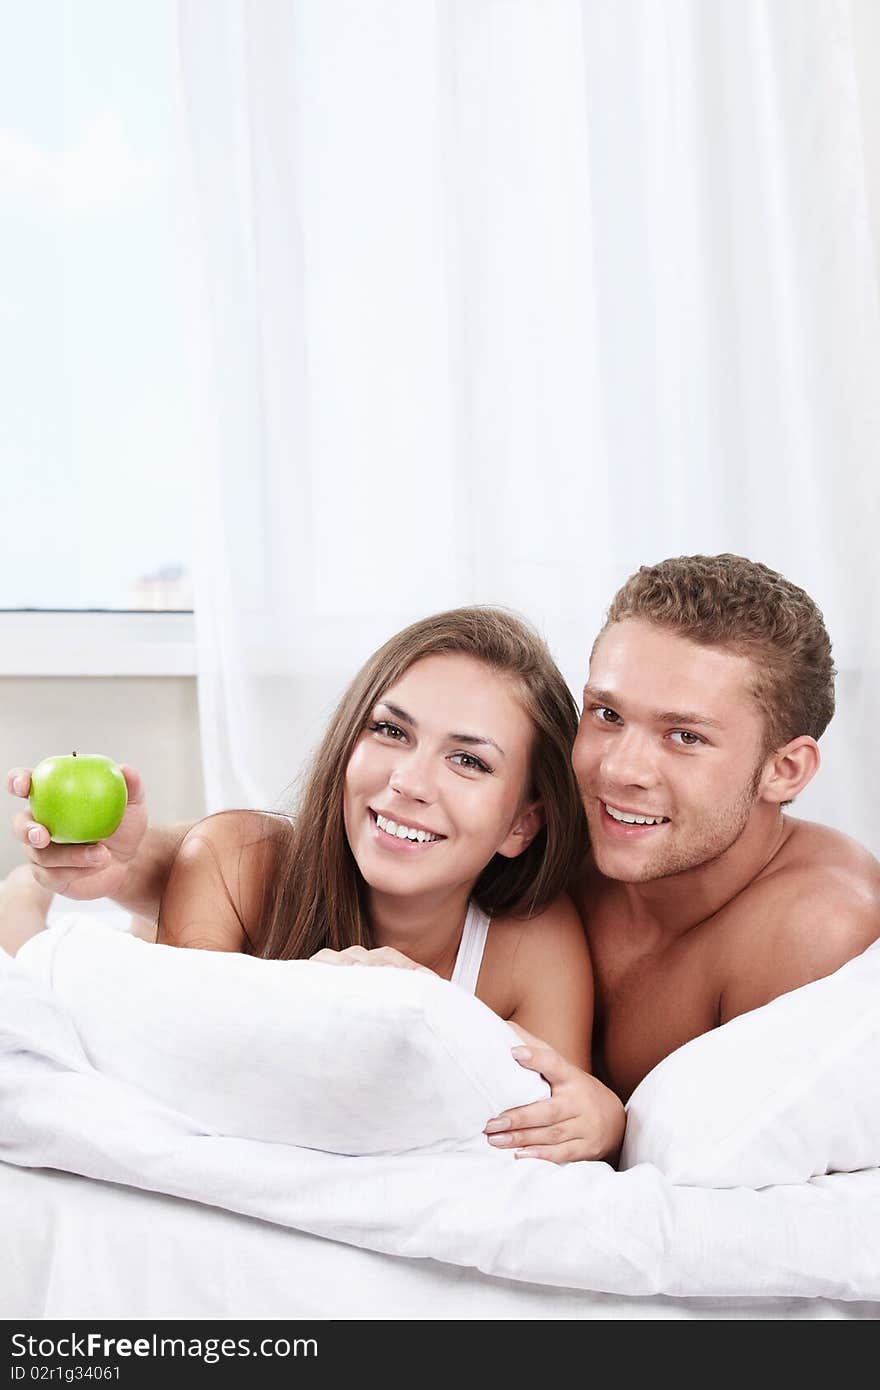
x=194, y=1135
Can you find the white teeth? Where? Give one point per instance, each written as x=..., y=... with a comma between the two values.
x=405, y=832
x=634, y=820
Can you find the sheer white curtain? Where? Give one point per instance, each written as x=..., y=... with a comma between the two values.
x=495, y=300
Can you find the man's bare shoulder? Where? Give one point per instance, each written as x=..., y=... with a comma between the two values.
x=814, y=907
x=808, y=842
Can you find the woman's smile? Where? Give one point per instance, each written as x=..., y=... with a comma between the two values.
x=398, y=836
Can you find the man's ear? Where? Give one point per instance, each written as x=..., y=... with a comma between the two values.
x=788, y=770
x=523, y=830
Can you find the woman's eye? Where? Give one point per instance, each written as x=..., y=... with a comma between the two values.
x=469, y=761
x=688, y=740
x=381, y=726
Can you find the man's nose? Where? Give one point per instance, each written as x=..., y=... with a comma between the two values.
x=629, y=760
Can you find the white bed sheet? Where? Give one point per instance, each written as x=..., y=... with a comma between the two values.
x=153, y=1218
x=79, y=1249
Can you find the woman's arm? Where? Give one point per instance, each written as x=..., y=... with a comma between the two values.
x=553, y=980
x=147, y=877
x=212, y=898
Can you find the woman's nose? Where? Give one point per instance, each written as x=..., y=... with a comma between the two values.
x=414, y=779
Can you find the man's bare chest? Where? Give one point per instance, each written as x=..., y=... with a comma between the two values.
x=650, y=999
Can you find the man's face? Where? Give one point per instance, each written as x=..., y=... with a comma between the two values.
x=670, y=735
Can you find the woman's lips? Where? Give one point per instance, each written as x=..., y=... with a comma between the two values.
x=395, y=844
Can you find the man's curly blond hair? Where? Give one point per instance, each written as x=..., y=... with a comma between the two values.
x=743, y=607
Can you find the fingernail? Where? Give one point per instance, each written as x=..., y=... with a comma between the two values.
x=95, y=856
x=494, y=1125
x=34, y=835
x=18, y=785
x=500, y=1140
x=522, y=1054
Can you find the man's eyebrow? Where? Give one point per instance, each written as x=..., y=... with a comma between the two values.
x=471, y=739
x=601, y=697
x=687, y=717
x=605, y=697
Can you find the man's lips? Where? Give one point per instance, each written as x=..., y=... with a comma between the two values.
x=625, y=830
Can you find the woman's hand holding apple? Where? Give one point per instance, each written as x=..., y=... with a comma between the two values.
x=81, y=871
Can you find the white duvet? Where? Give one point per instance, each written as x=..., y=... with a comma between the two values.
x=193, y=1074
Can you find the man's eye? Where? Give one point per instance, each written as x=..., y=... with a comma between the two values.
x=605, y=715
x=688, y=740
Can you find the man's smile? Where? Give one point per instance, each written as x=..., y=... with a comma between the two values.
x=628, y=825
x=634, y=817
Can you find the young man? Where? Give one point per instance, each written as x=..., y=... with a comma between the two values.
x=709, y=686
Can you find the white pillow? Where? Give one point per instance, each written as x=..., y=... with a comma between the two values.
x=779, y=1095
x=351, y=1060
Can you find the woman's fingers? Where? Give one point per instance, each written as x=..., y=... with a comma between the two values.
x=387, y=955
x=571, y=1152
x=537, y=1115
x=513, y=1138
x=18, y=781
x=134, y=784
x=560, y=1143
x=359, y=955
x=45, y=854
x=328, y=957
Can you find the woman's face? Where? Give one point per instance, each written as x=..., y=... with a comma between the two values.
x=435, y=786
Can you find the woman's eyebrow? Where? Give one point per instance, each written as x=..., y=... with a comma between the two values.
x=470, y=739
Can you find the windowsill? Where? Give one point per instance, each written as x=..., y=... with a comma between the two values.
x=77, y=643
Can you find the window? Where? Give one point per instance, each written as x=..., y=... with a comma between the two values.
x=96, y=442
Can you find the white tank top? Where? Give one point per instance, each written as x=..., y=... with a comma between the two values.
x=470, y=948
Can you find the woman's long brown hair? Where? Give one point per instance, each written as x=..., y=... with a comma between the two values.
x=315, y=895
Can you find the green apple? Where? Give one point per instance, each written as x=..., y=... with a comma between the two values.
x=80, y=797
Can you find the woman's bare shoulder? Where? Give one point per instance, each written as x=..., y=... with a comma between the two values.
x=241, y=826
x=557, y=922
x=238, y=851
x=241, y=836
x=551, y=941
x=545, y=977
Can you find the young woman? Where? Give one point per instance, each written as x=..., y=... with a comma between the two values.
x=438, y=826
